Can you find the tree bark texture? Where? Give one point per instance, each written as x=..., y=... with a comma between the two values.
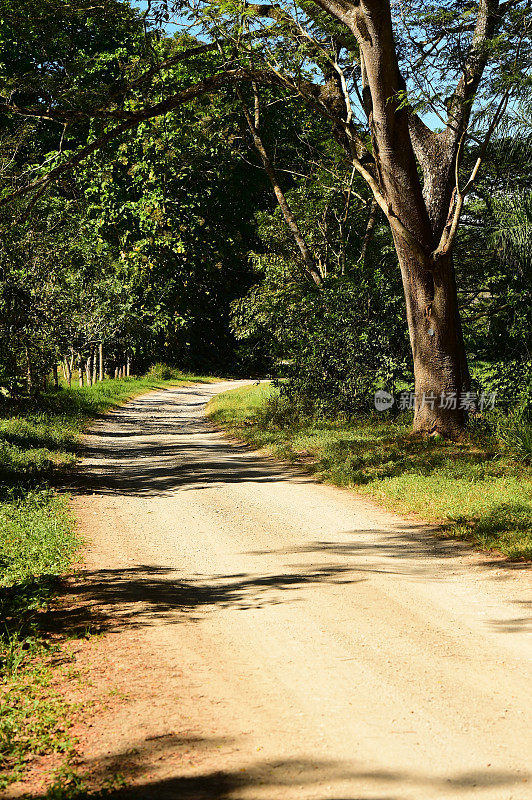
x=440, y=365
x=439, y=356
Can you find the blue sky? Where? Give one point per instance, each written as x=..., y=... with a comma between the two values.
x=429, y=118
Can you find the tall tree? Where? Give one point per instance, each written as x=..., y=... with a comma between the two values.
x=380, y=64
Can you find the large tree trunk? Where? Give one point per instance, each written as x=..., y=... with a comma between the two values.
x=440, y=367
x=440, y=364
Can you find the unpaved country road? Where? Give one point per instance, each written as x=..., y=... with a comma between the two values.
x=270, y=637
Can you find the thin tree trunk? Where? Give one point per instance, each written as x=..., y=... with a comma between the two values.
x=88, y=372
x=128, y=366
x=71, y=367
x=94, y=359
x=67, y=372
x=253, y=124
x=100, y=361
x=341, y=255
x=80, y=371
x=29, y=372
x=56, y=376
x=370, y=227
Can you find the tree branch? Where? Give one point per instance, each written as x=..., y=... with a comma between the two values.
x=230, y=77
x=310, y=267
x=487, y=22
x=449, y=233
x=102, y=112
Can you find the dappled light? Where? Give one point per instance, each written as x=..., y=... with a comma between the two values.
x=172, y=449
x=277, y=778
x=265, y=399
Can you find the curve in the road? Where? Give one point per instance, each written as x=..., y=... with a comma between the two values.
x=278, y=638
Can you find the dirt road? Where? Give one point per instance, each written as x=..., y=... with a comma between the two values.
x=269, y=637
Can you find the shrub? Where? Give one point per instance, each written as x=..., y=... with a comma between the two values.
x=162, y=372
x=510, y=380
x=514, y=433
x=282, y=412
x=354, y=342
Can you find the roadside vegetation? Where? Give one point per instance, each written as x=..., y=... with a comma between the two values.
x=479, y=489
x=168, y=195
x=39, y=437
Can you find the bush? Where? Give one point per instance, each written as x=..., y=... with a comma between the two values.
x=511, y=381
x=352, y=344
x=514, y=434
x=282, y=412
x=162, y=372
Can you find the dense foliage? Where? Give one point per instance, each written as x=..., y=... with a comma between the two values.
x=336, y=345
x=167, y=245
x=141, y=251
x=497, y=295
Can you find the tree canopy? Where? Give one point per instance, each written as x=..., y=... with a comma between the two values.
x=373, y=127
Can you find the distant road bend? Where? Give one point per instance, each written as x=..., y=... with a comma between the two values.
x=278, y=639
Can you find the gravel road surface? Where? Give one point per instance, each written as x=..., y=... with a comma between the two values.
x=268, y=637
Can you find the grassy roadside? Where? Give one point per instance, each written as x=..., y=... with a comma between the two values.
x=473, y=490
x=37, y=546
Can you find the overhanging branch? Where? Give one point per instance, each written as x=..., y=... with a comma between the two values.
x=228, y=78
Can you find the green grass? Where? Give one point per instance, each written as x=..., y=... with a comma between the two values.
x=38, y=545
x=34, y=717
x=473, y=489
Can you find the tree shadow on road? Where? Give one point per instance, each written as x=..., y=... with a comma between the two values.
x=143, y=595
x=145, y=449
x=137, y=770
x=413, y=552
x=153, y=469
